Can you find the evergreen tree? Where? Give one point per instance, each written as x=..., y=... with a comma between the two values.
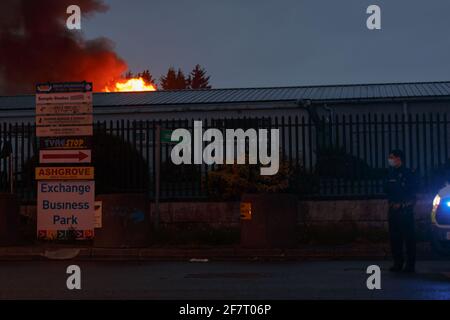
x=174, y=80
x=147, y=76
x=199, y=79
x=177, y=80
x=188, y=82
x=181, y=81
x=169, y=81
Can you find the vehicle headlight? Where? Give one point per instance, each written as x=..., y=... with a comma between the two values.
x=437, y=201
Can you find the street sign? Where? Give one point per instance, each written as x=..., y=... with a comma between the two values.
x=166, y=136
x=48, y=143
x=65, y=156
x=64, y=206
x=49, y=87
x=98, y=214
x=68, y=97
x=64, y=131
x=64, y=125
x=64, y=173
x=63, y=109
x=61, y=120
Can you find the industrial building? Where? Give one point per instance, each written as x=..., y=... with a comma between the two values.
x=400, y=98
x=339, y=136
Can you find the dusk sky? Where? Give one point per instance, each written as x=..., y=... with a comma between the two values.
x=253, y=43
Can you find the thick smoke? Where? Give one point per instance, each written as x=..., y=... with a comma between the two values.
x=36, y=46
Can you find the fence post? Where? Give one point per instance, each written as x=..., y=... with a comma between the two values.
x=157, y=174
x=11, y=173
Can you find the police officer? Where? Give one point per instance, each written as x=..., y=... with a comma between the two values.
x=400, y=188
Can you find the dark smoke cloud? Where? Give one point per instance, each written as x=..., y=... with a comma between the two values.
x=36, y=46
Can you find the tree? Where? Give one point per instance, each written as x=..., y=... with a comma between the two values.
x=168, y=82
x=181, y=82
x=230, y=182
x=198, y=78
x=177, y=80
x=129, y=75
x=174, y=80
x=146, y=76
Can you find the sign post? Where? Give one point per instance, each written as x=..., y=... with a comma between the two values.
x=66, y=194
x=162, y=136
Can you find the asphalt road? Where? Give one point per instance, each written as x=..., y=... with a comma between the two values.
x=222, y=280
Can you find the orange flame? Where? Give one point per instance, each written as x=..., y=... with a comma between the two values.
x=129, y=85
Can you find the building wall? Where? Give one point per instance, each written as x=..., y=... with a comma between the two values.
x=240, y=110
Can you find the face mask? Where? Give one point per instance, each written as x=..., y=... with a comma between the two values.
x=391, y=162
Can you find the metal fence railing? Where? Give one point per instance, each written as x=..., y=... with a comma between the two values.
x=333, y=157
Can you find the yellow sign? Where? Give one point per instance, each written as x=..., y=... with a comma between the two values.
x=246, y=211
x=64, y=173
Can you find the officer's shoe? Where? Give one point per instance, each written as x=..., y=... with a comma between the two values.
x=396, y=268
x=409, y=269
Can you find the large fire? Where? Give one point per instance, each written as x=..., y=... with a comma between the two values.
x=129, y=85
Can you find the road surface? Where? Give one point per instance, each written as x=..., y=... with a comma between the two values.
x=221, y=280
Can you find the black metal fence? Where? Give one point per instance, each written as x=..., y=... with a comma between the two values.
x=333, y=157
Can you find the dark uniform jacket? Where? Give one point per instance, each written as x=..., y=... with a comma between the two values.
x=401, y=186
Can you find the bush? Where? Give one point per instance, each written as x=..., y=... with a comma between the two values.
x=230, y=182
x=118, y=165
x=172, y=173
x=335, y=162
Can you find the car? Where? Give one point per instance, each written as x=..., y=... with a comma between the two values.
x=440, y=222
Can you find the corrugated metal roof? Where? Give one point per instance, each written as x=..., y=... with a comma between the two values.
x=247, y=95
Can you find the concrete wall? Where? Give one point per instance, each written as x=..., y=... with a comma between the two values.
x=360, y=213
x=215, y=214
x=363, y=213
